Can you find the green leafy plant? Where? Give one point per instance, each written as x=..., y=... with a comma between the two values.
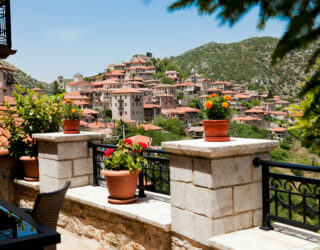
x=32, y=114
x=126, y=157
x=217, y=107
x=308, y=122
x=71, y=112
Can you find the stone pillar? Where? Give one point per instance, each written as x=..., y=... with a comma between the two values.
x=65, y=157
x=215, y=189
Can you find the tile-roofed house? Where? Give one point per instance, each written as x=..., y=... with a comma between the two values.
x=196, y=132
x=280, y=133
x=76, y=86
x=188, y=88
x=222, y=85
x=141, y=138
x=127, y=103
x=6, y=82
x=149, y=127
x=151, y=111
x=249, y=120
x=186, y=114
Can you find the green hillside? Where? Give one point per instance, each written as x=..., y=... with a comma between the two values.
x=22, y=78
x=247, y=61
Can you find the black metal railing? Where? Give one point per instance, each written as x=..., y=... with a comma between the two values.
x=289, y=199
x=154, y=177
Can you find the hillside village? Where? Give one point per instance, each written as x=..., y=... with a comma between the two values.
x=131, y=93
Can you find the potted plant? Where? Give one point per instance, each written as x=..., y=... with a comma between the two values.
x=72, y=115
x=32, y=114
x=121, y=170
x=217, y=111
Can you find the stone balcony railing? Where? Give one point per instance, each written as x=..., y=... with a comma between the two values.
x=215, y=197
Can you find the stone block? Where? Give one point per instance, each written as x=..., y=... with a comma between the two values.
x=222, y=203
x=257, y=218
x=232, y=223
x=182, y=222
x=247, y=197
x=181, y=168
x=79, y=181
x=231, y=171
x=49, y=184
x=47, y=150
x=82, y=166
x=203, y=229
x=72, y=150
x=178, y=194
x=202, y=175
x=55, y=169
x=207, y=202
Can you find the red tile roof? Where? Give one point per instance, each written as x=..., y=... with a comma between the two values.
x=126, y=90
x=141, y=138
x=149, y=127
x=245, y=118
x=278, y=129
x=150, y=106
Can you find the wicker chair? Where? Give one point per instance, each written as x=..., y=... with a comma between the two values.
x=47, y=207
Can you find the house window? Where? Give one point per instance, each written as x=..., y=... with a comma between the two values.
x=133, y=112
x=125, y=104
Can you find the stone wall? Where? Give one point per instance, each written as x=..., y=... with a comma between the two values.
x=115, y=230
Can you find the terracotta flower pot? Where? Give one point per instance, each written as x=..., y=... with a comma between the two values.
x=31, y=168
x=71, y=127
x=216, y=130
x=121, y=186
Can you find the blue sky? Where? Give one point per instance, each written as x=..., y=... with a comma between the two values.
x=69, y=36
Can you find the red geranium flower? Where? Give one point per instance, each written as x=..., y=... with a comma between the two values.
x=108, y=152
x=142, y=144
x=127, y=141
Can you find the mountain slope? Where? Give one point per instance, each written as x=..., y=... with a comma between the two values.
x=247, y=61
x=22, y=78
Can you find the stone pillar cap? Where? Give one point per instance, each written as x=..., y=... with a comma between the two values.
x=61, y=137
x=234, y=147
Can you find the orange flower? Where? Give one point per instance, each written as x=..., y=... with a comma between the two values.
x=207, y=96
x=68, y=101
x=225, y=104
x=73, y=110
x=214, y=95
x=208, y=104
x=227, y=97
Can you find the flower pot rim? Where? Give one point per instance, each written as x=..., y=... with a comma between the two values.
x=221, y=120
x=28, y=158
x=117, y=172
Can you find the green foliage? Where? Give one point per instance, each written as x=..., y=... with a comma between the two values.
x=166, y=80
x=55, y=89
x=37, y=114
x=246, y=104
x=245, y=131
x=279, y=154
x=173, y=125
x=194, y=103
x=126, y=157
x=309, y=123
